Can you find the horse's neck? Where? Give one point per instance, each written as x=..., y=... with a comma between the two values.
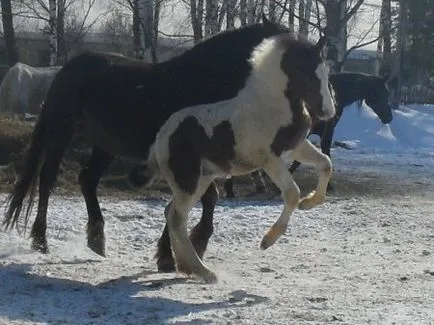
x=350, y=93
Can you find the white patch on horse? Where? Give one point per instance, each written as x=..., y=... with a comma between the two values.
x=328, y=105
x=255, y=115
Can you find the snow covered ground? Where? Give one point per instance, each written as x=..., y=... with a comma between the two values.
x=364, y=257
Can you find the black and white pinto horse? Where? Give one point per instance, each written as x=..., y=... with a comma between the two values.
x=349, y=88
x=118, y=105
x=24, y=87
x=248, y=132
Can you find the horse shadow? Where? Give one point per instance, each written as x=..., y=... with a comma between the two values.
x=26, y=296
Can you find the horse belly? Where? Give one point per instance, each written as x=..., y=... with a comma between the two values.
x=117, y=141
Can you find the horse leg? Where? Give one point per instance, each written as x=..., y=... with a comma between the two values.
x=279, y=174
x=202, y=232
x=327, y=137
x=187, y=261
x=258, y=181
x=199, y=236
x=165, y=261
x=89, y=178
x=48, y=176
x=229, y=188
x=326, y=142
x=308, y=154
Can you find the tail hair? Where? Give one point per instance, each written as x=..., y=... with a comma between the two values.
x=27, y=183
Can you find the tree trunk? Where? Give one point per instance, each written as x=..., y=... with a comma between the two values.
x=136, y=32
x=52, y=6
x=9, y=32
x=291, y=15
x=211, y=17
x=272, y=15
x=230, y=14
x=250, y=12
x=400, y=46
x=196, y=14
x=304, y=23
x=145, y=13
x=243, y=13
x=336, y=33
x=155, y=25
x=60, y=32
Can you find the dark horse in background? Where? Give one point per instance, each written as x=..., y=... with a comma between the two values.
x=117, y=105
x=348, y=88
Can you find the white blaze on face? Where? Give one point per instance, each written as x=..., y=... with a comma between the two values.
x=328, y=107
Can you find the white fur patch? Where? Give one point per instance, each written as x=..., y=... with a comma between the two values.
x=328, y=107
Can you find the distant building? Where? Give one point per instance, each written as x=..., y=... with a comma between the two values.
x=33, y=48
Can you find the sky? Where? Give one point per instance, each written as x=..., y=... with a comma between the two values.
x=175, y=20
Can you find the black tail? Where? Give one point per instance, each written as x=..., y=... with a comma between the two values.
x=51, y=135
x=26, y=184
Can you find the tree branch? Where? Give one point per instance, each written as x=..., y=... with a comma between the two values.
x=352, y=11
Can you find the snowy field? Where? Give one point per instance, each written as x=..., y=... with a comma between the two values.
x=364, y=257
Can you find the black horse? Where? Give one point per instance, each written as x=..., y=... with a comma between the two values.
x=117, y=105
x=349, y=88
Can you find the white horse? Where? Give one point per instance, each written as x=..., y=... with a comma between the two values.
x=23, y=89
x=272, y=114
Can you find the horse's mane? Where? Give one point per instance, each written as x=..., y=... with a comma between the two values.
x=232, y=37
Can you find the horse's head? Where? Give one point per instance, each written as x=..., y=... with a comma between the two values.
x=308, y=76
x=377, y=98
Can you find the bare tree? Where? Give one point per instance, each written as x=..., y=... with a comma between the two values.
x=305, y=9
x=52, y=20
x=196, y=15
x=384, y=46
x=60, y=32
x=230, y=13
x=291, y=15
x=251, y=12
x=243, y=13
x=211, y=17
x=9, y=32
x=116, y=29
x=56, y=15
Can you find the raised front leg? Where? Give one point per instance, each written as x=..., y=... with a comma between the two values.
x=308, y=154
x=279, y=174
x=89, y=178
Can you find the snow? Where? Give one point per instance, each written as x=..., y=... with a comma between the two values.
x=363, y=257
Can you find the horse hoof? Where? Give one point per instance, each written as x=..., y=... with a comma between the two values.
x=166, y=265
x=96, y=238
x=97, y=244
x=40, y=245
x=272, y=235
x=209, y=277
